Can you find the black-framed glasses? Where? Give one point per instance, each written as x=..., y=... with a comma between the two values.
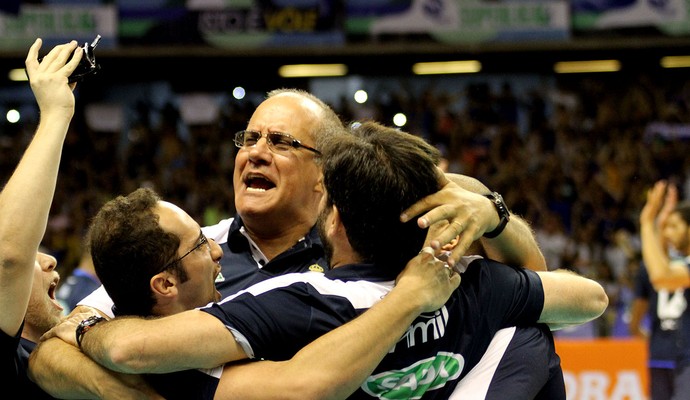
x=277, y=141
x=202, y=240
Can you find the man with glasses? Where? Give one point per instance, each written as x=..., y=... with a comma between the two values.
x=369, y=177
x=170, y=266
x=278, y=186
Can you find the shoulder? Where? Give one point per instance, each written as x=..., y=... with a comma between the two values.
x=219, y=231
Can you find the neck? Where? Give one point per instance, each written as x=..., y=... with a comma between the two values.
x=273, y=244
x=30, y=333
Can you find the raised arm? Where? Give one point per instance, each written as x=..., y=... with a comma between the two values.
x=462, y=209
x=26, y=197
x=570, y=299
x=662, y=271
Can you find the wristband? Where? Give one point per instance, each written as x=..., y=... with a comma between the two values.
x=85, y=325
x=503, y=214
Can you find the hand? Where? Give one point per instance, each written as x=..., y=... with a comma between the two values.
x=49, y=77
x=670, y=202
x=67, y=329
x=655, y=198
x=456, y=217
x=428, y=280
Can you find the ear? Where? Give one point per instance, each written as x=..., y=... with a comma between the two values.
x=164, y=284
x=335, y=223
x=318, y=187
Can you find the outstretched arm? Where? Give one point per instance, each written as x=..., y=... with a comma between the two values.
x=25, y=199
x=570, y=299
x=463, y=212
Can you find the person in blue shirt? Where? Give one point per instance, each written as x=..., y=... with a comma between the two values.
x=370, y=177
x=665, y=235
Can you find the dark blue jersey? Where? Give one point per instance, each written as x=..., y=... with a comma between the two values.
x=276, y=318
x=13, y=367
x=665, y=320
x=243, y=264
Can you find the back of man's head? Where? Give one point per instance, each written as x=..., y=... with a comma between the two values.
x=371, y=176
x=128, y=247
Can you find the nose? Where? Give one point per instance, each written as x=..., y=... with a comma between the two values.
x=259, y=155
x=46, y=261
x=216, y=250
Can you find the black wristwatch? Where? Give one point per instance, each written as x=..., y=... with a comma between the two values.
x=85, y=325
x=503, y=214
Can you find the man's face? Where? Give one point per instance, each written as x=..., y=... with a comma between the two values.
x=283, y=188
x=676, y=232
x=202, y=265
x=43, y=311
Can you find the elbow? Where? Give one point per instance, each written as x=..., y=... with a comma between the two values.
x=593, y=305
x=124, y=354
x=599, y=301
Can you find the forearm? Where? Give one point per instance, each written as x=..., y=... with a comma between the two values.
x=516, y=246
x=637, y=312
x=135, y=345
x=338, y=362
x=570, y=299
x=25, y=200
x=661, y=271
x=64, y=372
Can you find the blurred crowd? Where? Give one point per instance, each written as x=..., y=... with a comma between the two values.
x=574, y=158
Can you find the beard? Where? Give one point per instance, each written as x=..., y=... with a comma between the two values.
x=321, y=229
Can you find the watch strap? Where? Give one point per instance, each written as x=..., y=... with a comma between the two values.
x=502, y=211
x=85, y=325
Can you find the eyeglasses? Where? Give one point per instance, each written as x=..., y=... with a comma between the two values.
x=200, y=242
x=277, y=142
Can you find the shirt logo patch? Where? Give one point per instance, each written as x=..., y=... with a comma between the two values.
x=414, y=381
x=315, y=268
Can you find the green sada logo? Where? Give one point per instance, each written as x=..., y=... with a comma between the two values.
x=417, y=379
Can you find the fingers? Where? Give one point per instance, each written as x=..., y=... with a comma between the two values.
x=32, y=57
x=57, y=58
x=427, y=203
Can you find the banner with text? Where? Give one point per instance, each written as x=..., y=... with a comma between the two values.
x=604, y=369
x=57, y=24
x=670, y=17
x=243, y=24
x=461, y=21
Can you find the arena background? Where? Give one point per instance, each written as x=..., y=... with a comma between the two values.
x=571, y=152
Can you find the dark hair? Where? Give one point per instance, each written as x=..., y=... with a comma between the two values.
x=371, y=176
x=128, y=247
x=329, y=123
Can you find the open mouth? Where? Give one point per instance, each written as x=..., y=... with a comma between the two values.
x=258, y=182
x=51, y=289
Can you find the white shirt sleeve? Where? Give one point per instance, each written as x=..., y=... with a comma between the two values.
x=99, y=300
